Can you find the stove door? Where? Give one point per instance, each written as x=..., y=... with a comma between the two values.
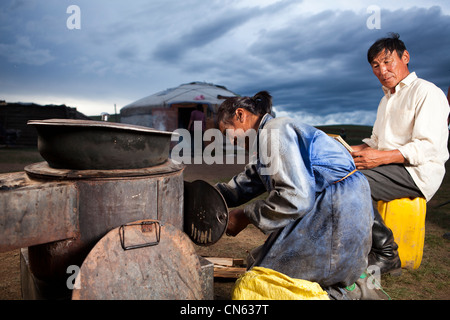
x=142, y=260
x=205, y=213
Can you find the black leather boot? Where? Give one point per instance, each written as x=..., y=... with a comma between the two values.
x=384, y=252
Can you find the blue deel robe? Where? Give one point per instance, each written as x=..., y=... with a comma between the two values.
x=320, y=227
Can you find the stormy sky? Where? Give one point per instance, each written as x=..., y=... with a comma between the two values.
x=310, y=54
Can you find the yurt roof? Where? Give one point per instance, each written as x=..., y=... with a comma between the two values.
x=194, y=92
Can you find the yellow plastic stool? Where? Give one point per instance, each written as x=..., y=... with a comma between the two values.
x=406, y=218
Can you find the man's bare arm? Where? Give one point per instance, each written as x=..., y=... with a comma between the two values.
x=368, y=158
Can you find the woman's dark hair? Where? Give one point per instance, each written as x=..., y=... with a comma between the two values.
x=388, y=44
x=259, y=104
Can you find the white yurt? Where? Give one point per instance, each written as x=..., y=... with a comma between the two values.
x=171, y=109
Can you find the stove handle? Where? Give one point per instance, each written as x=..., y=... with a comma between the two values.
x=147, y=228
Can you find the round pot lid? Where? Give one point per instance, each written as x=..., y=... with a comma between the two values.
x=143, y=260
x=205, y=213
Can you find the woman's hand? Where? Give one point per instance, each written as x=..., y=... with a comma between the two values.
x=237, y=221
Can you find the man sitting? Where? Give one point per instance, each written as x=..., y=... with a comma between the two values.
x=406, y=153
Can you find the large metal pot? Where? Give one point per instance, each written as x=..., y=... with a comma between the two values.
x=99, y=145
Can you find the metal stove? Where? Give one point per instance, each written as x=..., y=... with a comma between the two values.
x=129, y=232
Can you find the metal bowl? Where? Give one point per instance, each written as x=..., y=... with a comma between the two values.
x=100, y=145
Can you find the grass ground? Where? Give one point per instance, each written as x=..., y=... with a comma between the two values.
x=429, y=282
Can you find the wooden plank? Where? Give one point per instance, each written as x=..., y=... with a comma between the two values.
x=228, y=262
x=225, y=267
x=228, y=272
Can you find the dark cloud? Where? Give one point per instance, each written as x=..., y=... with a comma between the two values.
x=204, y=30
x=324, y=58
x=426, y=34
x=314, y=64
x=200, y=35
